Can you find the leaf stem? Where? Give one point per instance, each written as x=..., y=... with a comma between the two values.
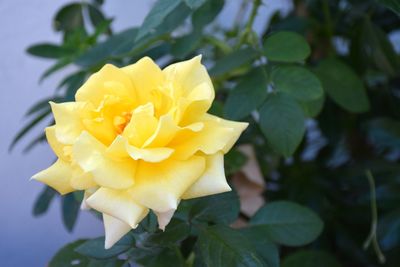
x=373, y=236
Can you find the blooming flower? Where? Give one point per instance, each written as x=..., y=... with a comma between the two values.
x=140, y=138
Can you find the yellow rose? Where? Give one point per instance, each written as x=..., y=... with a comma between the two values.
x=140, y=138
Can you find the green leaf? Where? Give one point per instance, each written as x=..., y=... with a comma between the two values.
x=233, y=60
x=95, y=15
x=310, y=258
x=67, y=257
x=28, y=127
x=220, y=208
x=42, y=203
x=282, y=122
x=157, y=15
x=288, y=223
x=169, y=257
x=48, y=50
x=247, y=96
x=72, y=84
x=69, y=17
x=114, y=46
x=206, y=13
x=297, y=82
x=267, y=250
x=392, y=4
x=312, y=108
x=234, y=160
x=61, y=63
x=222, y=246
x=286, y=46
x=94, y=248
x=107, y=263
x=70, y=211
x=176, y=231
x=195, y=4
x=343, y=85
x=185, y=45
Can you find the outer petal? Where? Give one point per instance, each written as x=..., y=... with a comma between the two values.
x=146, y=76
x=57, y=176
x=164, y=218
x=109, y=80
x=57, y=147
x=212, y=181
x=159, y=186
x=119, y=204
x=81, y=180
x=69, y=117
x=109, y=172
x=114, y=230
x=217, y=135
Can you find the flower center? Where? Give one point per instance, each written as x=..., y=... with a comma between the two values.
x=121, y=121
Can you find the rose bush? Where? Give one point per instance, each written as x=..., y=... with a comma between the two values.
x=140, y=138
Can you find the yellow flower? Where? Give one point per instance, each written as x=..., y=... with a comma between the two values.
x=140, y=138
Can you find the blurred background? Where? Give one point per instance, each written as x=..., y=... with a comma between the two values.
x=26, y=240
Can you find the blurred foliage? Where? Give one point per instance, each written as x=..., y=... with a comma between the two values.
x=321, y=90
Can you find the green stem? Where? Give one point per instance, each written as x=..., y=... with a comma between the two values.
x=249, y=25
x=373, y=236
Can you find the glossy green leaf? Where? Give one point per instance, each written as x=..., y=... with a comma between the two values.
x=297, y=82
x=67, y=257
x=48, y=51
x=94, y=248
x=194, y=4
x=70, y=211
x=69, y=17
x=156, y=16
x=113, y=46
x=185, y=45
x=282, y=122
x=247, y=96
x=43, y=201
x=176, y=231
x=206, y=13
x=222, y=246
x=265, y=248
x=219, y=208
x=288, y=223
x=286, y=46
x=343, y=85
x=169, y=257
x=310, y=258
x=313, y=107
x=232, y=61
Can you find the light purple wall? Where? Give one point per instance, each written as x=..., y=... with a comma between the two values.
x=24, y=240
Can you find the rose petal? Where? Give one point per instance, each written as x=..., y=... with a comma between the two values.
x=212, y=181
x=57, y=176
x=114, y=230
x=159, y=186
x=119, y=204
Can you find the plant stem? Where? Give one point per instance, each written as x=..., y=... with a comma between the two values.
x=373, y=237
